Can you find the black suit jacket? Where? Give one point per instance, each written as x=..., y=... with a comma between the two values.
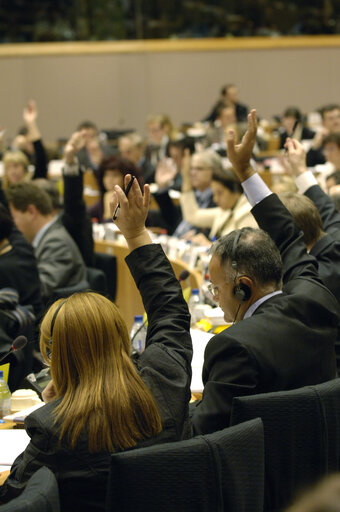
x=287, y=343
x=327, y=249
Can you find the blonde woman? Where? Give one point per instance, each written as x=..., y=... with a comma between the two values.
x=99, y=401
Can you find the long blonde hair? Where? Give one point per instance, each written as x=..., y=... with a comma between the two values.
x=94, y=376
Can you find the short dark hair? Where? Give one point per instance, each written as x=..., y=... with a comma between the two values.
x=228, y=179
x=293, y=112
x=332, y=138
x=256, y=255
x=85, y=125
x=121, y=164
x=305, y=214
x=225, y=88
x=328, y=108
x=52, y=189
x=6, y=223
x=22, y=195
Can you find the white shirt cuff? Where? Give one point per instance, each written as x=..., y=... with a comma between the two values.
x=255, y=189
x=304, y=181
x=72, y=169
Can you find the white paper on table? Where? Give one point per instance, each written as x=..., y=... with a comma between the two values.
x=199, y=342
x=12, y=443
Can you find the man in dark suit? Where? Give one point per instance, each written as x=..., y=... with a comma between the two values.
x=59, y=261
x=316, y=215
x=282, y=337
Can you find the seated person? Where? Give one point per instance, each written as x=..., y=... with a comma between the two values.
x=292, y=126
x=201, y=167
x=160, y=132
x=284, y=318
x=110, y=173
x=131, y=147
x=99, y=401
x=18, y=266
x=226, y=119
x=93, y=151
x=316, y=215
x=15, y=168
x=229, y=97
x=233, y=211
x=330, y=124
x=60, y=264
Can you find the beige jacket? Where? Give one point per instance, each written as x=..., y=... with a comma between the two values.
x=220, y=221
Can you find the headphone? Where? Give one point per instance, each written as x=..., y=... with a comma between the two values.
x=54, y=319
x=241, y=291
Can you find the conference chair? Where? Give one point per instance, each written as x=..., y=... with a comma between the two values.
x=40, y=495
x=218, y=472
x=302, y=437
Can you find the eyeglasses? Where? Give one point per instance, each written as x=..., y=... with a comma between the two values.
x=213, y=289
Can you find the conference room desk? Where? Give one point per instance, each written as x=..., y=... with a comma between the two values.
x=128, y=299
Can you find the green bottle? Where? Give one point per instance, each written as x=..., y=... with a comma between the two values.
x=5, y=397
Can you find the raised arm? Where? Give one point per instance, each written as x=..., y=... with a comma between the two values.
x=308, y=186
x=168, y=316
x=30, y=115
x=75, y=217
x=269, y=212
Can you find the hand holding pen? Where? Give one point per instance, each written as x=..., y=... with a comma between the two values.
x=133, y=210
x=115, y=215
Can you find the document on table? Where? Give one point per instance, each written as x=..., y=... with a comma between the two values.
x=12, y=443
x=199, y=342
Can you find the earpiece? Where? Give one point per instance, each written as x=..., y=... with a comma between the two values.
x=54, y=319
x=242, y=292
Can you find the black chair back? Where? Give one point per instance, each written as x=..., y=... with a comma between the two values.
x=40, y=495
x=302, y=437
x=218, y=472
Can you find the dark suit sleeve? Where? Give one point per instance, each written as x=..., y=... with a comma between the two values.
x=75, y=217
x=328, y=212
x=272, y=216
x=229, y=370
x=40, y=160
x=168, y=314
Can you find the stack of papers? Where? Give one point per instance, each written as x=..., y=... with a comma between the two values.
x=19, y=417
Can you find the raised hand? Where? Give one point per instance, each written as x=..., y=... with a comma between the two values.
x=133, y=211
x=73, y=145
x=240, y=154
x=165, y=172
x=296, y=156
x=30, y=113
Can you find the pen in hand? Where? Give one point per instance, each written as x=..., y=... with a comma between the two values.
x=115, y=215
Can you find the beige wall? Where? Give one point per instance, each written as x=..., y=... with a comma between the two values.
x=119, y=89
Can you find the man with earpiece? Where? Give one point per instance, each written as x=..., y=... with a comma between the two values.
x=284, y=319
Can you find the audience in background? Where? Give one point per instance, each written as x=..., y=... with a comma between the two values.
x=293, y=126
x=229, y=98
x=131, y=147
x=93, y=151
x=160, y=132
x=330, y=124
x=233, y=211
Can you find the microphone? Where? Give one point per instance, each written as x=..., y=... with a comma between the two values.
x=17, y=344
x=183, y=275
